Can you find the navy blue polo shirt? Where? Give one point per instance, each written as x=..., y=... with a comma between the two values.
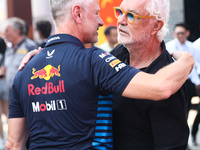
x=58, y=94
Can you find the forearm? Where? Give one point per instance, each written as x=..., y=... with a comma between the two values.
x=28, y=56
x=173, y=76
x=162, y=84
x=14, y=146
x=17, y=134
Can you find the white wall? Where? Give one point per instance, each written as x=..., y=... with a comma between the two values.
x=176, y=16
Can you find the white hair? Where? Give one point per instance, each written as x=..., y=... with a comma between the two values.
x=17, y=23
x=160, y=9
x=60, y=9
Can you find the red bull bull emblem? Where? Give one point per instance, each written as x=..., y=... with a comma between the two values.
x=46, y=73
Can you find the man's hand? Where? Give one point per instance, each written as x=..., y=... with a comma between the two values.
x=177, y=54
x=28, y=56
x=186, y=56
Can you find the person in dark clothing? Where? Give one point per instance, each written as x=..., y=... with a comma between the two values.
x=142, y=124
x=4, y=94
x=2, y=46
x=196, y=122
x=44, y=29
x=195, y=126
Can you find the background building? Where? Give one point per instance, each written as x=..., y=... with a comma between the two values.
x=33, y=10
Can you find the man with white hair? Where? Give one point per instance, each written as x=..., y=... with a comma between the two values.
x=143, y=124
x=15, y=33
x=55, y=98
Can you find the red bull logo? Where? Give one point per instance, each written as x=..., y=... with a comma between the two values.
x=46, y=73
x=49, y=88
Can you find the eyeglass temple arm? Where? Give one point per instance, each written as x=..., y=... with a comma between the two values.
x=138, y=16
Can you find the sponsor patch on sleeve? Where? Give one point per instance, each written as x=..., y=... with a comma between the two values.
x=114, y=63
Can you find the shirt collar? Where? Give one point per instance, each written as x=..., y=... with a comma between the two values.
x=63, y=38
x=18, y=45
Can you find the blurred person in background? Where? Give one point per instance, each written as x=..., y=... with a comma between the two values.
x=44, y=30
x=195, y=126
x=196, y=44
x=4, y=94
x=180, y=43
x=111, y=36
x=15, y=33
x=84, y=73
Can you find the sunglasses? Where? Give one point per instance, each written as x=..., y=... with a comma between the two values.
x=180, y=33
x=130, y=16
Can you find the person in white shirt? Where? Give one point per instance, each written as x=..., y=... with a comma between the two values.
x=111, y=36
x=180, y=43
x=195, y=126
x=196, y=45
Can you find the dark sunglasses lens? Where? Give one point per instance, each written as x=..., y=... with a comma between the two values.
x=130, y=17
x=118, y=12
x=180, y=33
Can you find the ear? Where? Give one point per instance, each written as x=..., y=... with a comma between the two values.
x=158, y=25
x=77, y=13
x=187, y=33
x=40, y=34
x=174, y=34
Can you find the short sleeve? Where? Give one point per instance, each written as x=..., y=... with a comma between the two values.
x=109, y=73
x=15, y=110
